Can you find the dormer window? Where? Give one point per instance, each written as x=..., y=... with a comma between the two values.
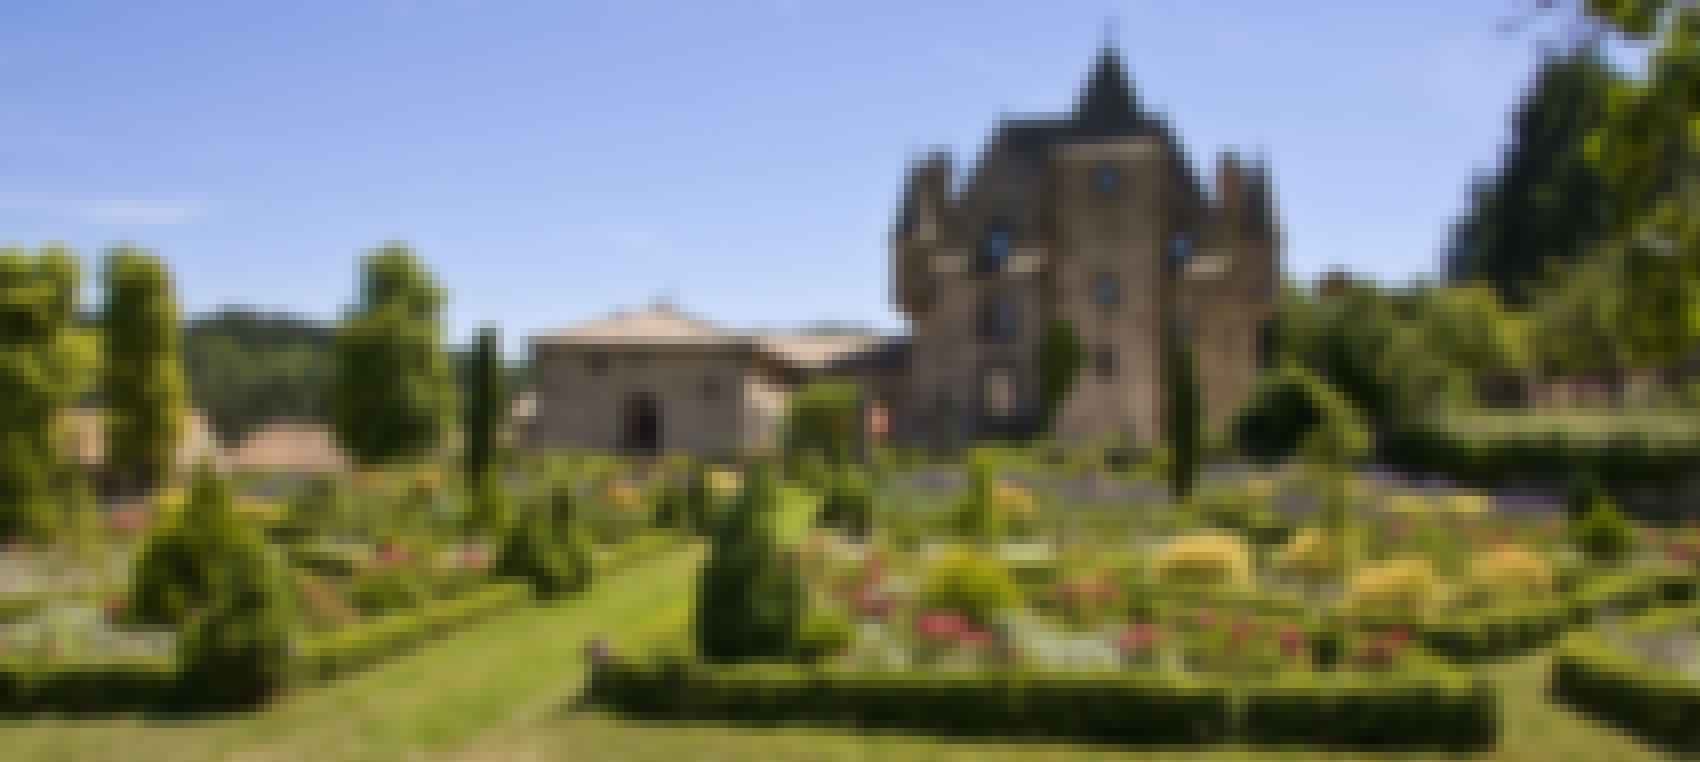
x=1106, y=180
x=1180, y=251
x=994, y=248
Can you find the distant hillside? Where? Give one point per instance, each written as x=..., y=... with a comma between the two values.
x=247, y=366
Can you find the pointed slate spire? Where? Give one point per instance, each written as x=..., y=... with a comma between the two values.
x=1108, y=100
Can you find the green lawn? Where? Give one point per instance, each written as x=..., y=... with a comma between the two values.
x=445, y=695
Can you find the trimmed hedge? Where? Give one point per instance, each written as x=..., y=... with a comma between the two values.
x=1487, y=448
x=30, y=688
x=1406, y=711
x=1510, y=632
x=366, y=644
x=1590, y=675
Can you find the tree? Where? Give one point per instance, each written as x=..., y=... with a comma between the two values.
x=485, y=406
x=532, y=552
x=246, y=367
x=849, y=502
x=1286, y=406
x=240, y=652
x=1060, y=359
x=751, y=599
x=45, y=363
x=1549, y=202
x=142, y=379
x=1184, y=435
x=393, y=389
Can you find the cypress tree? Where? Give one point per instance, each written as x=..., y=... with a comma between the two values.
x=392, y=392
x=45, y=359
x=1060, y=359
x=142, y=378
x=1182, y=419
x=484, y=402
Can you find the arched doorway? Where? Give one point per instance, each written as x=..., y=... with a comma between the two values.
x=640, y=423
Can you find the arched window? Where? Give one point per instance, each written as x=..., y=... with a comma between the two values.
x=995, y=245
x=1000, y=317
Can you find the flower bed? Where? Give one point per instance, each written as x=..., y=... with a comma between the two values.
x=1416, y=710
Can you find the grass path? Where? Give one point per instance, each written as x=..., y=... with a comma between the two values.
x=438, y=698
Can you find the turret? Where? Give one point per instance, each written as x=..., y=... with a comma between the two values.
x=921, y=225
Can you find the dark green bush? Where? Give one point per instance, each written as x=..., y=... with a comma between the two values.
x=183, y=562
x=386, y=590
x=848, y=503
x=531, y=553
x=1286, y=406
x=1604, y=534
x=241, y=651
x=33, y=688
x=750, y=596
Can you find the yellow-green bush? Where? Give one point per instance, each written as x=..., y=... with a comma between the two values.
x=969, y=583
x=1209, y=559
x=1509, y=573
x=1403, y=588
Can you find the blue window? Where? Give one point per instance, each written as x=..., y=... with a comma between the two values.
x=1180, y=250
x=994, y=248
x=1106, y=179
x=1106, y=290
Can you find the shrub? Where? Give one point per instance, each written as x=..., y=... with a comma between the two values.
x=1404, y=589
x=977, y=515
x=241, y=651
x=386, y=590
x=1605, y=536
x=1509, y=573
x=971, y=584
x=1664, y=708
x=849, y=503
x=1285, y=407
x=364, y=644
x=1310, y=555
x=1205, y=559
x=751, y=595
x=186, y=559
x=825, y=634
x=530, y=553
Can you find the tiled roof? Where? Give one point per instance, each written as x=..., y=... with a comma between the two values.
x=656, y=324
x=289, y=446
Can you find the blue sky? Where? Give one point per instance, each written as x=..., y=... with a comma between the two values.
x=555, y=159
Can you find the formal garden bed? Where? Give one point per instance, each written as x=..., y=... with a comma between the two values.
x=332, y=580
x=1231, y=617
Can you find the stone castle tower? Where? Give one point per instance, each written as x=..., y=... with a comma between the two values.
x=1096, y=218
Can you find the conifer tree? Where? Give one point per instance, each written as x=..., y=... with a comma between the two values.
x=750, y=598
x=484, y=401
x=240, y=652
x=45, y=363
x=142, y=377
x=1182, y=419
x=186, y=560
x=1060, y=359
x=392, y=393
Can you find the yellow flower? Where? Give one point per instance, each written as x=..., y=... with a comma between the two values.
x=724, y=481
x=1399, y=587
x=1013, y=499
x=1205, y=558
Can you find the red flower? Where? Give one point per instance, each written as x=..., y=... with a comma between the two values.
x=474, y=558
x=1139, y=636
x=1206, y=619
x=974, y=637
x=1292, y=641
x=940, y=626
x=392, y=554
x=128, y=521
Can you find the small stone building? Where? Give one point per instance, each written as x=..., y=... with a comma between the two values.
x=658, y=379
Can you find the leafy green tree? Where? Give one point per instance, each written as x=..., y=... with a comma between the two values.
x=1060, y=359
x=751, y=599
x=142, y=379
x=46, y=359
x=531, y=553
x=1605, y=535
x=485, y=406
x=1183, y=420
x=393, y=390
x=849, y=502
x=1549, y=202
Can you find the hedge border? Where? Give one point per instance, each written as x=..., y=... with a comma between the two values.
x=1439, y=710
x=1591, y=676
